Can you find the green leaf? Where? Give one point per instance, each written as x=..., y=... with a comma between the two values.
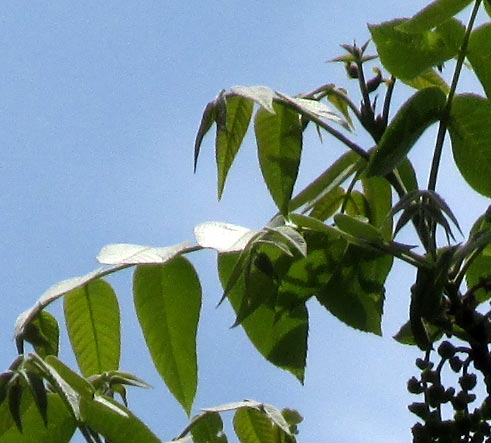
x=405, y=334
x=408, y=55
x=62, y=372
x=55, y=292
x=470, y=133
x=115, y=422
x=328, y=204
x=358, y=228
x=406, y=173
x=487, y=6
x=427, y=79
x=281, y=339
x=279, y=142
x=59, y=429
x=413, y=118
x=93, y=324
x=208, y=428
x=229, y=138
x=43, y=333
x=345, y=166
x=433, y=15
x=253, y=426
x=168, y=300
x=207, y=121
x=355, y=293
x=378, y=193
x=479, y=55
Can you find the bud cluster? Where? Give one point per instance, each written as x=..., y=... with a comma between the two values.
x=468, y=422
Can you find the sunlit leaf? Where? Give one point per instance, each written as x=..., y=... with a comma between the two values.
x=93, y=324
x=413, y=118
x=436, y=13
x=328, y=204
x=479, y=55
x=408, y=55
x=280, y=339
x=223, y=237
x=168, y=301
x=358, y=228
x=279, y=142
x=377, y=191
x=253, y=426
x=229, y=137
x=313, y=109
x=470, y=133
x=128, y=254
x=262, y=95
x=115, y=422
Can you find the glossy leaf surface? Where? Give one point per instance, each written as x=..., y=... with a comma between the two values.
x=470, y=133
x=93, y=324
x=279, y=143
x=168, y=300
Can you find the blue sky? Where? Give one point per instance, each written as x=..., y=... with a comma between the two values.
x=99, y=106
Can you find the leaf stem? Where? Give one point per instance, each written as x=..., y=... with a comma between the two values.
x=435, y=165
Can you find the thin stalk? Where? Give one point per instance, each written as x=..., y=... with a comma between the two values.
x=435, y=165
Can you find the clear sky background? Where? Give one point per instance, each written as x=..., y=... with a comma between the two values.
x=99, y=106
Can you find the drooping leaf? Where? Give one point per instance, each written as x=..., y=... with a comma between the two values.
x=279, y=143
x=207, y=121
x=43, y=334
x=128, y=254
x=408, y=55
x=223, y=237
x=168, y=300
x=229, y=137
x=38, y=392
x=253, y=426
x=406, y=173
x=412, y=119
x=60, y=424
x=282, y=339
x=427, y=79
x=479, y=55
x=93, y=323
x=208, y=428
x=355, y=293
x=470, y=133
x=115, y=422
x=340, y=105
x=433, y=15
